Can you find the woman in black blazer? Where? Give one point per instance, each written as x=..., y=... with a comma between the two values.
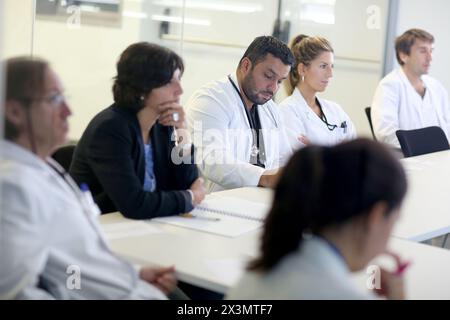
x=136, y=156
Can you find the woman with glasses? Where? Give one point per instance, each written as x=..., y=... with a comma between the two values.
x=51, y=246
x=332, y=213
x=308, y=118
x=136, y=156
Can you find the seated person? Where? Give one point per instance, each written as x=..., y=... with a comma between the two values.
x=332, y=213
x=408, y=98
x=236, y=126
x=308, y=118
x=51, y=246
x=131, y=155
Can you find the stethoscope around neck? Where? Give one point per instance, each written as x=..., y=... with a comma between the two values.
x=255, y=151
x=330, y=126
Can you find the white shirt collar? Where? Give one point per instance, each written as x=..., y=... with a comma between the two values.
x=234, y=77
x=318, y=247
x=404, y=77
x=14, y=152
x=297, y=95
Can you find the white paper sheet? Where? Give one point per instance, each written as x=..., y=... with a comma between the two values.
x=129, y=229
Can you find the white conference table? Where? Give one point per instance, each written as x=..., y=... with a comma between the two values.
x=206, y=260
x=215, y=262
x=426, y=208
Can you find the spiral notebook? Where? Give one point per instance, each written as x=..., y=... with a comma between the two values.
x=226, y=216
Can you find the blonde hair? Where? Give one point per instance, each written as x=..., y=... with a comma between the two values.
x=305, y=49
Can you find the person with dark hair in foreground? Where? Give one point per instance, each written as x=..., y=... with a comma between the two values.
x=333, y=212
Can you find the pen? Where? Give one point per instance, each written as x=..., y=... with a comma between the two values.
x=402, y=267
x=191, y=216
x=344, y=126
x=87, y=195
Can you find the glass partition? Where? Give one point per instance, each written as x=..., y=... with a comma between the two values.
x=83, y=39
x=84, y=44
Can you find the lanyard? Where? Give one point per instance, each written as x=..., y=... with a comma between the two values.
x=257, y=154
x=90, y=209
x=83, y=196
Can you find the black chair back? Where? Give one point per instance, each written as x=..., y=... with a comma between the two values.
x=422, y=141
x=369, y=118
x=64, y=155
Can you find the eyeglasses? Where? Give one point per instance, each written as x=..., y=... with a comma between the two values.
x=55, y=100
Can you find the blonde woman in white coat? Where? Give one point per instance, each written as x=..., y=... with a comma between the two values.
x=308, y=118
x=332, y=213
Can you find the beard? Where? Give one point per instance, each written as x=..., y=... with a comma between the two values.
x=252, y=94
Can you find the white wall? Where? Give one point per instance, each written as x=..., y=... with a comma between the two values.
x=433, y=16
x=205, y=62
x=85, y=59
x=17, y=22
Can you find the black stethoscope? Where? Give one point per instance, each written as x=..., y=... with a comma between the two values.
x=330, y=126
x=255, y=151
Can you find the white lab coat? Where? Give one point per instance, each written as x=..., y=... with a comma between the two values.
x=221, y=133
x=300, y=119
x=49, y=235
x=397, y=106
x=314, y=271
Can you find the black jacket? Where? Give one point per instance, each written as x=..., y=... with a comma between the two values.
x=110, y=158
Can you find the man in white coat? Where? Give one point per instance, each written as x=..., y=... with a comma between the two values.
x=408, y=98
x=235, y=124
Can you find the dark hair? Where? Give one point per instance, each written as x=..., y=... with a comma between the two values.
x=328, y=186
x=261, y=46
x=305, y=49
x=141, y=68
x=404, y=42
x=24, y=83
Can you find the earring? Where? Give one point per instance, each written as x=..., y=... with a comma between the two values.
x=303, y=78
x=142, y=98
